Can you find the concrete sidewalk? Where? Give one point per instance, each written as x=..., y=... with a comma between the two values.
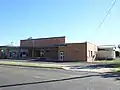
x=56, y=63
x=100, y=70
x=32, y=64
x=74, y=66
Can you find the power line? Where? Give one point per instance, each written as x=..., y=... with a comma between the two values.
x=106, y=14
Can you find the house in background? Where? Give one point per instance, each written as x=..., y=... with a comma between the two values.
x=106, y=52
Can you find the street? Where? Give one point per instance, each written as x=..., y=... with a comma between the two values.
x=23, y=78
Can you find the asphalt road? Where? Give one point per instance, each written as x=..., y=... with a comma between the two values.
x=18, y=78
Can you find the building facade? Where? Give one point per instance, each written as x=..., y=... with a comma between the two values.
x=42, y=42
x=78, y=52
x=50, y=49
x=13, y=52
x=55, y=49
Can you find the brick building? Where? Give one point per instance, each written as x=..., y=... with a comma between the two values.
x=13, y=52
x=55, y=49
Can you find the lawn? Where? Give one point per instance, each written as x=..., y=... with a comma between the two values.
x=116, y=62
x=31, y=64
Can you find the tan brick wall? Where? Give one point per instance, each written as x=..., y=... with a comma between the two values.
x=42, y=42
x=74, y=52
x=93, y=48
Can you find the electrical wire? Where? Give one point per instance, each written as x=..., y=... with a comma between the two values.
x=106, y=14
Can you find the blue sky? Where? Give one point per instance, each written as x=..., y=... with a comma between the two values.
x=75, y=19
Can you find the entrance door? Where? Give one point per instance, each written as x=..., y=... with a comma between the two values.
x=37, y=53
x=61, y=55
x=42, y=53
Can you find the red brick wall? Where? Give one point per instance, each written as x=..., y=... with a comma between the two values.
x=42, y=42
x=74, y=52
x=78, y=51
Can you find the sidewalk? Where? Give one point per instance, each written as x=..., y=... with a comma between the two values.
x=32, y=64
x=45, y=62
x=99, y=68
x=73, y=66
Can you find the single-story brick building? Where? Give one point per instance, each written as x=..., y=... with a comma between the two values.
x=55, y=48
x=14, y=52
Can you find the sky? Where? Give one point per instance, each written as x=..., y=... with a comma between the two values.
x=78, y=20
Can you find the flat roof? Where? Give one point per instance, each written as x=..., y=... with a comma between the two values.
x=109, y=46
x=44, y=38
x=55, y=45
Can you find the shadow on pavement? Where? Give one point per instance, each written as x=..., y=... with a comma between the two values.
x=116, y=76
x=95, y=66
x=47, y=81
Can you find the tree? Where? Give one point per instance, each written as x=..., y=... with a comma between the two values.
x=119, y=46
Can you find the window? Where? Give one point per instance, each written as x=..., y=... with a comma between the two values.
x=91, y=53
x=24, y=52
x=106, y=49
x=101, y=49
x=47, y=50
x=61, y=57
x=42, y=50
x=61, y=53
x=10, y=54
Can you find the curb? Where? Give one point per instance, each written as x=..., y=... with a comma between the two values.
x=54, y=67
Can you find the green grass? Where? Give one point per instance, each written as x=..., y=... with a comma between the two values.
x=29, y=64
x=116, y=62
